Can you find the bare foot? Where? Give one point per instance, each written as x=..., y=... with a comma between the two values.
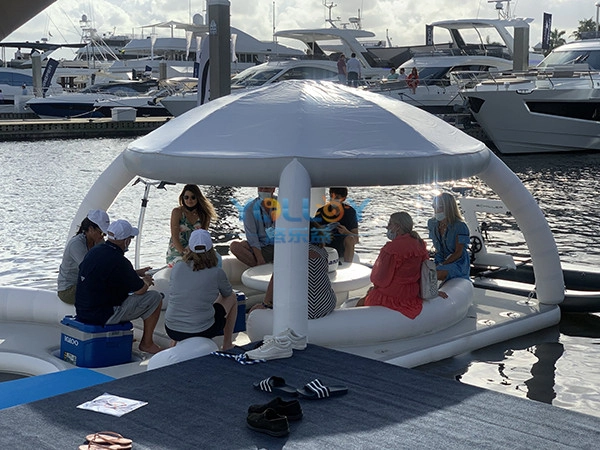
x=442, y=294
x=226, y=347
x=152, y=349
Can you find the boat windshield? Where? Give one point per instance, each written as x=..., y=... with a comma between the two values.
x=561, y=58
x=254, y=76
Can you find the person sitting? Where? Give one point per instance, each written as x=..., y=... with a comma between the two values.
x=259, y=226
x=401, y=74
x=321, y=297
x=412, y=80
x=392, y=76
x=345, y=232
x=201, y=302
x=195, y=211
x=397, y=269
x=91, y=232
x=450, y=236
x=110, y=291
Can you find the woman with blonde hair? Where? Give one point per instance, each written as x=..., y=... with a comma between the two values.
x=450, y=236
x=194, y=212
x=397, y=270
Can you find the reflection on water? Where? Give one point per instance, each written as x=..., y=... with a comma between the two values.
x=44, y=182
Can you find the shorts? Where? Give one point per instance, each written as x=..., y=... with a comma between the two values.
x=216, y=328
x=268, y=252
x=136, y=306
x=68, y=295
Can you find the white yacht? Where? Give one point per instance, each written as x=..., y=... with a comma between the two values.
x=552, y=109
x=323, y=47
x=262, y=74
x=476, y=46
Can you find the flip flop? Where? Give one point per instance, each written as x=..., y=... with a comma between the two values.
x=109, y=440
x=92, y=446
x=275, y=384
x=315, y=390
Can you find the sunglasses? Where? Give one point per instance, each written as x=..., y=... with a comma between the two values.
x=189, y=197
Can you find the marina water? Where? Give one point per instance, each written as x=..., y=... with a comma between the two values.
x=43, y=183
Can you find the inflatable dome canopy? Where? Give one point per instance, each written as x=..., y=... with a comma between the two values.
x=247, y=138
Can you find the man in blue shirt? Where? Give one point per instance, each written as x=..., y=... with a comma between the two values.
x=110, y=291
x=259, y=227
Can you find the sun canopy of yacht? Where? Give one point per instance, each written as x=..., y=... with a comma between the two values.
x=342, y=136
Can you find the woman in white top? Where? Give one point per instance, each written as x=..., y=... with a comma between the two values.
x=91, y=232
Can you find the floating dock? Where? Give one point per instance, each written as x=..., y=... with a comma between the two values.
x=29, y=129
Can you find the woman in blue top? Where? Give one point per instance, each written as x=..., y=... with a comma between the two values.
x=450, y=236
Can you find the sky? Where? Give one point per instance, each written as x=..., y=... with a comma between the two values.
x=401, y=20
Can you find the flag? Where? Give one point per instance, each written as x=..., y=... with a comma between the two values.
x=546, y=31
x=233, y=54
x=428, y=34
x=203, y=73
x=48, y=74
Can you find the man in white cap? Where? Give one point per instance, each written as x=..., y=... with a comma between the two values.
x=91, y=233
x=110, y=291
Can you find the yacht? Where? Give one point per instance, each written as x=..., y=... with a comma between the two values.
x=554, y=108
x=476, y=46
x=84, y=104
x=262, y=74
x=322, y=49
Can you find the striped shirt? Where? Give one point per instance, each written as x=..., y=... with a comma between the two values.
x=321, y=298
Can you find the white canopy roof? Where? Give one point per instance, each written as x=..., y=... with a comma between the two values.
x=342, y=136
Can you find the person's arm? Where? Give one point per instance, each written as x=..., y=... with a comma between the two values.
x=175, y=219
x=148, y=281
x=461, y=239
x=252, y=229
x=383, y=269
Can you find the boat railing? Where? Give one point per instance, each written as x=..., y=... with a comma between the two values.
x=546, y=78
x=467, y=50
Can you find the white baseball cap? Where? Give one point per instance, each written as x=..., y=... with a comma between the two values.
x=119, y=230
x=200, y=238
x=100, y=218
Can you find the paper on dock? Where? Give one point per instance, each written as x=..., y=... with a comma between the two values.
x=112, y=404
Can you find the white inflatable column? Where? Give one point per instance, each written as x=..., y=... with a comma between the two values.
x=290, y=272
x=549, y=283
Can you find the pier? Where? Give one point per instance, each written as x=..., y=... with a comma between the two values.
x=22, y=127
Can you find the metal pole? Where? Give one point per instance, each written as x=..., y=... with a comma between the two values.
x=597, y=10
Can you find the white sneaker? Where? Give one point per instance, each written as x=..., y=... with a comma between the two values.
x=274, y=347
x=298, y=340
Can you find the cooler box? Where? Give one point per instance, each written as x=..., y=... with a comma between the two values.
x=123, y=114
x=95, y=345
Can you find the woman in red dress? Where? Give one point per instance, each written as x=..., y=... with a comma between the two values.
x=397, y=270
x=412, y=81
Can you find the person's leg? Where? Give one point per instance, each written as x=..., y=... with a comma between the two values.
x=243, y=252
x=147, y=306
x=349, y=243
x=229, y=303
x=147, y=343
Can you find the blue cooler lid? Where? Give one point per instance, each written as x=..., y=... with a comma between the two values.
x=72, y=321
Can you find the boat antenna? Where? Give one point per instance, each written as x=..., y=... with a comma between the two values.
x=502, y=14
x=330, y=6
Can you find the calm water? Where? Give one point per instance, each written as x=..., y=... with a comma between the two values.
x=44, y=182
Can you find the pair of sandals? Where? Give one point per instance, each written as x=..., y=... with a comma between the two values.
x=312, y=390
x=106, y=440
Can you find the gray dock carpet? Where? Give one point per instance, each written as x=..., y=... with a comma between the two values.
x=202, y=404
